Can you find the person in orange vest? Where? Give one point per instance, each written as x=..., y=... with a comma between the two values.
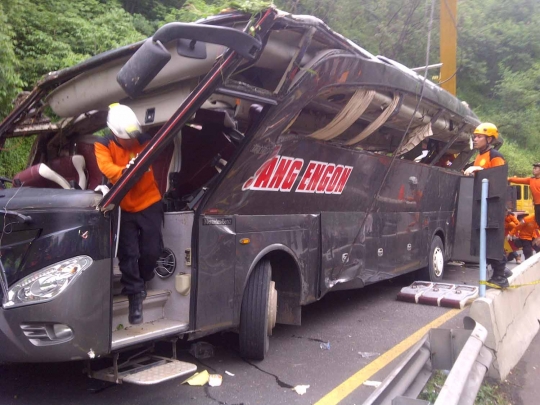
x=510, y=222
x=534, y=184
x=526, y=231
x=485, y=135
x=140, y=240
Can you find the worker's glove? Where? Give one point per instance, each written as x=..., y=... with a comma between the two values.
x=470, y=170
x=509, y=237
x=131, y=162
x=102, y=189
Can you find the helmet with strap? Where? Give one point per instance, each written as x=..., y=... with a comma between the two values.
x=123, y=122
x=487, y=129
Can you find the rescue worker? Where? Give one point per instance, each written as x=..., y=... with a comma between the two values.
x=510, y=222
x=485, y=135
x=141, y=214
x=534, y=184
x=526, y=231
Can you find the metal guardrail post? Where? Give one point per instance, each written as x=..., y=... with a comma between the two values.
x=436, y=351
x=483, y=225
x=453, y=390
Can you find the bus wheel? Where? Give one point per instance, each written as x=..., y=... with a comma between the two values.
x=258, y=313
x=435, y=269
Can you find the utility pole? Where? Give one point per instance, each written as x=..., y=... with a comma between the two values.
x=448, y=45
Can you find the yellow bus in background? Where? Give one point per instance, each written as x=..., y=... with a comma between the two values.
x=524, y=201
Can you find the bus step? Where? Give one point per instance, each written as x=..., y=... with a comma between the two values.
x=146, y=332
x=160, y=372
x=438, y=294
x=152, y=307
x=145, y=370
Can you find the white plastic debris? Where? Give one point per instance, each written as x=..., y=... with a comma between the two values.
x=367, y=355
x=301, y=389
x=229, y=373
x=325, y=346
x=91, y=354
x=214, y=380
x=372, y=383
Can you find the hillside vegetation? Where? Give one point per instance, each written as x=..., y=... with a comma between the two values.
x=498, y=49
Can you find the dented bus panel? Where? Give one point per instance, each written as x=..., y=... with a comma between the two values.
x=286, y=169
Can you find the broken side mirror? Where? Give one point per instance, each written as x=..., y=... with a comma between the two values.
x=152, y=56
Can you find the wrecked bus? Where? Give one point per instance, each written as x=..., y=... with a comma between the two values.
x=291, y=161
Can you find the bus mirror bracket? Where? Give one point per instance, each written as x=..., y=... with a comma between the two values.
x=152, y=56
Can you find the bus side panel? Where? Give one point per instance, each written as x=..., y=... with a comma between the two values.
x=214, y=274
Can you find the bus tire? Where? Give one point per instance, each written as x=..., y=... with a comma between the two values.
x=258, y=312
x=435, y=269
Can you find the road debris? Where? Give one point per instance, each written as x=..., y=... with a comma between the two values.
x=372, y=383
x=367, y=355
x=301, y=389
x=201, y=350
x=214, y=380
x=229, y=373
x=325, y=346
x=198, y=379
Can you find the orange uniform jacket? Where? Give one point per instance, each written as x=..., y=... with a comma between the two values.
x=510, y=222
x=489, y=159
x=533, y=183
x=112, y=160
x=527, y=230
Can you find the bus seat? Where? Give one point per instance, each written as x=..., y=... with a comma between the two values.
x=85, y=148
x=72, y=168
x=41, y=176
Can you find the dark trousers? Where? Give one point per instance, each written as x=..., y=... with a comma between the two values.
x=139, y=246
x=528, y=250
x=498, y=266
x=537, y=213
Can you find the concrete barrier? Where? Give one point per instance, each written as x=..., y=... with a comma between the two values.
x=511, y=317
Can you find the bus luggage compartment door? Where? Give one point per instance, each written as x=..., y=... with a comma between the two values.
x=341, y=260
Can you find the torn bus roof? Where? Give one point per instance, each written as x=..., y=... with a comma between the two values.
x=91, y=85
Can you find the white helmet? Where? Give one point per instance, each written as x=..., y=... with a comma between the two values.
x=123, y=122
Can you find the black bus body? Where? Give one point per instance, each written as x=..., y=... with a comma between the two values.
x=288, y=158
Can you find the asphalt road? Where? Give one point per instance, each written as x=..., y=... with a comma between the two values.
x=350, y=322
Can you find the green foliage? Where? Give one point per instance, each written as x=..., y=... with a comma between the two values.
x=488, y=394
x=197, y=9
x=14, y=155
x=50, y=35
x=10, y=81
x=519, y=163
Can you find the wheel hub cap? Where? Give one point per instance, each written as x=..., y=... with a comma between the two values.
x=438, y=261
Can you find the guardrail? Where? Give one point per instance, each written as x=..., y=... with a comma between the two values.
x=460, y=351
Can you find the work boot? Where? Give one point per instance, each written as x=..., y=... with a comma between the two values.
x=135, y=308
x=508, y=272
x=500, y=281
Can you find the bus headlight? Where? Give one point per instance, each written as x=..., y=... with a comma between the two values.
x=47, y=283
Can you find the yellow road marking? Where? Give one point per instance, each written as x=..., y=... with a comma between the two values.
x=358, y=378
